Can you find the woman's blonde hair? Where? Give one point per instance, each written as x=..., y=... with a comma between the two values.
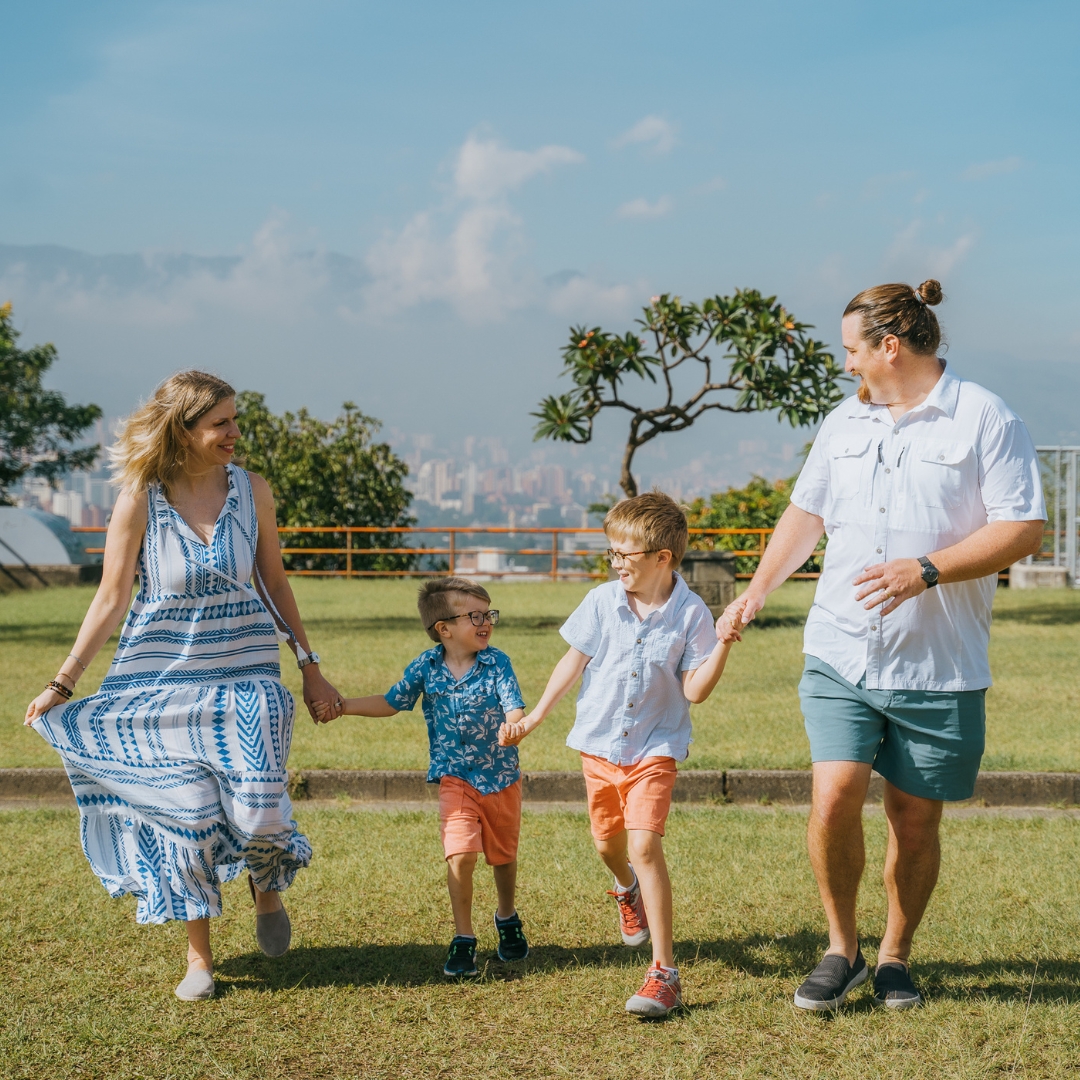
x=149, y=446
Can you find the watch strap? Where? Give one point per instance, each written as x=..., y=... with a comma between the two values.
x=929, y=571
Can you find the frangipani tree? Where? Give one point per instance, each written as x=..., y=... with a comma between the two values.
x=742, y=353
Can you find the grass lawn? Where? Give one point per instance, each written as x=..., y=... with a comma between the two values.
x=367, y=631
x=87, y=993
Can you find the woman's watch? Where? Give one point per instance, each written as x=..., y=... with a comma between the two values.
x=311, y=658
x=929, y=571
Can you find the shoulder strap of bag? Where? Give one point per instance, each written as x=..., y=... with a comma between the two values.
x=283, y=630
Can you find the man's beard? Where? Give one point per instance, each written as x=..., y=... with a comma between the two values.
x=863, y=393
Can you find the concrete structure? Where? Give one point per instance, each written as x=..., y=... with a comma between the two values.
x=711, y=574
x=1033, y=575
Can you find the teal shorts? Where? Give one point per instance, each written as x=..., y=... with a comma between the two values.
x=927, y=743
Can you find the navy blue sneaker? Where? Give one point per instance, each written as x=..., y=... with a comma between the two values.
x=512, y=943
x=461, y=961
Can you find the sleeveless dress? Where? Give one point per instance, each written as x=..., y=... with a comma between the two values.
x=177, y=763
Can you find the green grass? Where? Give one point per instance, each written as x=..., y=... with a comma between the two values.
x=367, y=632
x=87, y=993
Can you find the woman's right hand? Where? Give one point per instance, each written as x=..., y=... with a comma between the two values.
x=41, y=704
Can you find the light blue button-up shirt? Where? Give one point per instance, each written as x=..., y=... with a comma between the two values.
x=632, y=704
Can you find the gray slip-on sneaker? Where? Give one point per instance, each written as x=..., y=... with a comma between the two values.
x=273, y=932
x=829, y=984
x=894, y=989
x=197, y=985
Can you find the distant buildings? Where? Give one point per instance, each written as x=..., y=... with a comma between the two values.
x=83, y=498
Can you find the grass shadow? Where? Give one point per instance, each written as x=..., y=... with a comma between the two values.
x=795, y=955
x=1040, y=615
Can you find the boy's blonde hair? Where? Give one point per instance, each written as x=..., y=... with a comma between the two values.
x=653, y=520
x=434, y=603
x=149, y=446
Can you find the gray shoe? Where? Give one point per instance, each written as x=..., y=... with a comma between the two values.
x=273, y=932
x=197, y=985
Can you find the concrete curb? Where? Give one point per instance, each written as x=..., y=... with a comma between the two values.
x=694, y=786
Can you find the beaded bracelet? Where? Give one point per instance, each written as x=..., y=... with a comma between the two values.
x=59, y=688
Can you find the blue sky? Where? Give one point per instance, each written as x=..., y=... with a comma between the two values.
x=407, y=204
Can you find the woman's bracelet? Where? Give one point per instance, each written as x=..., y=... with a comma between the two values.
x=59, y=688
x=72, y=656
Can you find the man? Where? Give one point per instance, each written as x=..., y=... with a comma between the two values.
x=926, y=487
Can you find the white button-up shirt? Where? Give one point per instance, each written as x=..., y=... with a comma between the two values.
x=631, y=705
x=900, y=489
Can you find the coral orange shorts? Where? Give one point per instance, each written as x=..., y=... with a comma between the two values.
x=470, y=821
x=628, y=796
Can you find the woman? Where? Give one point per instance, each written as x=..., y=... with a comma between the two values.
x=178, y=761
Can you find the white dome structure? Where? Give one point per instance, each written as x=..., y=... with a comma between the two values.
x=37, y=538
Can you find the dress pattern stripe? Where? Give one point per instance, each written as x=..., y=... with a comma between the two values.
x=178, y=761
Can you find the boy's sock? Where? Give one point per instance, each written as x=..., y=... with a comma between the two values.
x=671, y=971
x=627, y=888
x=500, y=921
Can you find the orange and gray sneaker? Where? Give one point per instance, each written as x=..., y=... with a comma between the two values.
x=633, y=925
x=661, y=993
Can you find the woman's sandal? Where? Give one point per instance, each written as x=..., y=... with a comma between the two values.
x=197, y=985
x=273, y=932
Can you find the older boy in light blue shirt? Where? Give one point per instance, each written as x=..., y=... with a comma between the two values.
x=644, y=647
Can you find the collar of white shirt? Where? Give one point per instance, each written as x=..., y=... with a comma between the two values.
x=669, y=609
x=943, y=397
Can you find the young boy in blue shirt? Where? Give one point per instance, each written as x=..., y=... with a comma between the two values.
x=644, y=648
x=469, y=690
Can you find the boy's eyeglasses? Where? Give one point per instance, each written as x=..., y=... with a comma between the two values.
x=621, y=556
x=477, y=618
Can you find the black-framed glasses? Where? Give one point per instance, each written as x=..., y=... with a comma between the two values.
x=621, y=556
x=477, y=618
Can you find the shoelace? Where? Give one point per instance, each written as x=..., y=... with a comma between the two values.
x=658, y=987
x=627, y=908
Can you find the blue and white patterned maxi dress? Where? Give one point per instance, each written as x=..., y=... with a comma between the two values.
x=178, y=761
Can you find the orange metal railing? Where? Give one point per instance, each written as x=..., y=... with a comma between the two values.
x=452, y=550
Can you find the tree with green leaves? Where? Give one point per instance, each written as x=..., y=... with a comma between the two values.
x=326, y=473
x=756, y=506
x=772, y=365
x=37, y=426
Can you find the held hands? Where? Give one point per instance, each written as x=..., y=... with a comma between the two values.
x=890, y=584
x=730, y=625
x=512, y=732
x=323, y=701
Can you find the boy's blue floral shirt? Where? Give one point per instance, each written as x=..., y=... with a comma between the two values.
x=464, y=715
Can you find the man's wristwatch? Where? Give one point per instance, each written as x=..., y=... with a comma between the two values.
x=313, y=658
x=929, y=571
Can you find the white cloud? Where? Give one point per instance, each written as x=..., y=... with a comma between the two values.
x=654, y=131
x=467, y=252
x=585, y=298
x=272, y=280
x=471, y=267
x=991, y=168
x=642, y=208
x=486, y=170
x=910, y=252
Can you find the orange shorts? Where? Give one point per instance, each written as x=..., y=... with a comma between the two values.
x=628, y=796
x=470, y=821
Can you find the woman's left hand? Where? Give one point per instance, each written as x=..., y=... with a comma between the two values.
x=318, y=689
